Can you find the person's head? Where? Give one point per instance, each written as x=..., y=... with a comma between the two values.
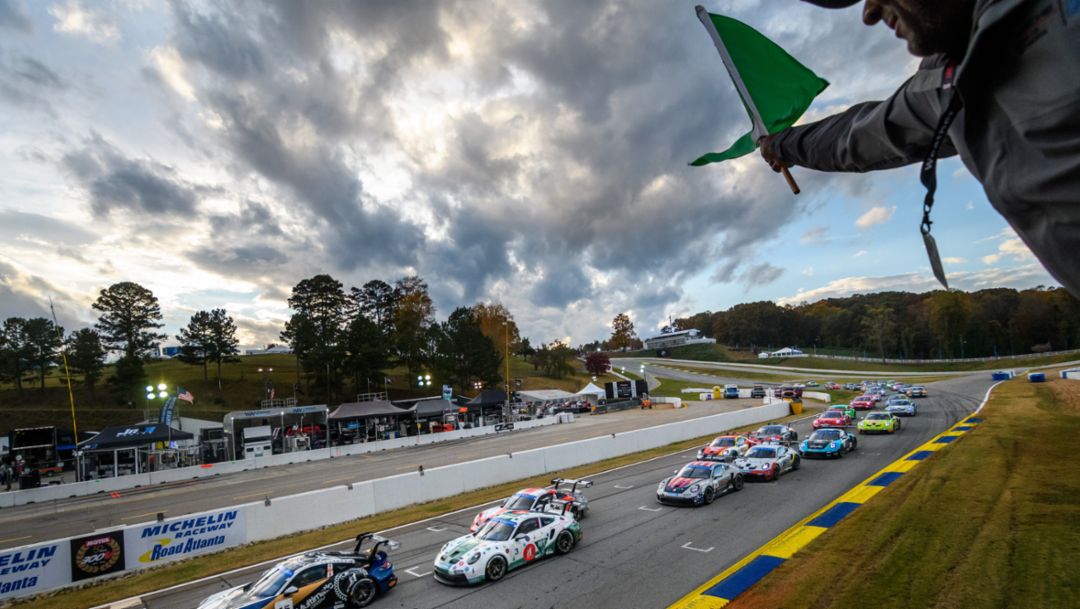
x=928, y=26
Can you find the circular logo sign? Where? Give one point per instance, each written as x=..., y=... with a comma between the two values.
x=97, y=555
x=530, y=552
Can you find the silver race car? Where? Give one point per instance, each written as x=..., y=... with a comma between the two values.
x=699, y=483
x=768, y=461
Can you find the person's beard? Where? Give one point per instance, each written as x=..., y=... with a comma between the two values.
x=936, y=26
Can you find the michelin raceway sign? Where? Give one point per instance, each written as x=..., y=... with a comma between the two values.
x=151, y=544
x=38, y=568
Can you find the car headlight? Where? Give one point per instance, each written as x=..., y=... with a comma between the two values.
x=475, y=557
x=700, y=454
x=693, y=489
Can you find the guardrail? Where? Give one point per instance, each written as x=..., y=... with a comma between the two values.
x=63, y=562
x=119, y=483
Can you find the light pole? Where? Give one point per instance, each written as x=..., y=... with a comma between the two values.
x=266, y=372
x=506, y=408
x=161, y=392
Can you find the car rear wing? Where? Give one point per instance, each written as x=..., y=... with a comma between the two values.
x=573, y=483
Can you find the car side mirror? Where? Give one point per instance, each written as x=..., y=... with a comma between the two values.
x=291, y=590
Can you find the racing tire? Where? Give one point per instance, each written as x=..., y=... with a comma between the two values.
x=854, y=444
x=362, y=592
x=708, y=496
x=495, y=569
x=563, y=543
x=737, y=482
x=797, y=463
x=775, y=473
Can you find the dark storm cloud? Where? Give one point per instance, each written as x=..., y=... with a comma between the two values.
x=12, y=16
x=255, y=220
x=760, y=275
x=119, y=183
x=618, y=98
x=245, y=259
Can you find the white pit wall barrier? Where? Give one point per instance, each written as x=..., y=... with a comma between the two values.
x=818, y=395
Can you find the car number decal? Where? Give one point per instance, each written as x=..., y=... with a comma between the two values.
x=530, y=552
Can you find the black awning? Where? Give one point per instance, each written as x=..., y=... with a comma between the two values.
x=489, y=398
x=433, y=408
x=375, y=408
x=128, y=436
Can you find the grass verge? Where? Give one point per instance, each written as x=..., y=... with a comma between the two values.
x=145, y=581
x=989, y=522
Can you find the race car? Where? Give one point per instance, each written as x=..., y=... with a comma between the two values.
x=879, y=422
x=917, y=391
x=774, y=432
x=725, y=448
x=698, y=483
x=832, y=417
x=829, y=442
x=864, y=402
x=506, y=542
x=902, y=407
x=768, y=462
x=317, y=580
x=540, y=500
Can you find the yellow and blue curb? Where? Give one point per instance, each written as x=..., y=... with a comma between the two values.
x=723, y=588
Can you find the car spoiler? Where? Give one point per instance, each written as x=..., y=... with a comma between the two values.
x=574, y=483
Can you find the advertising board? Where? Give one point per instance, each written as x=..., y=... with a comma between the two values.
x=155, y=543
x=35, y=568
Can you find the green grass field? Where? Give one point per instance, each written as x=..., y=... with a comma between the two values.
x=989, y=522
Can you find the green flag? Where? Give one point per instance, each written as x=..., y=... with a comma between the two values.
x=774, y=87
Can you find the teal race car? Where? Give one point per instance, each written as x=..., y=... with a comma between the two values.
x=504, y=543
x=879, y=422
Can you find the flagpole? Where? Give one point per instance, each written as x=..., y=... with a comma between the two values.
x=759, y=131
x=67, y=373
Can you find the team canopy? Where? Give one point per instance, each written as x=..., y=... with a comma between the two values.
x=591, y=390
x=130, y=436
x=374, y=408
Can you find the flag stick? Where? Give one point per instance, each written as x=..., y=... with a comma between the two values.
x=759, y=130
x=790, y=180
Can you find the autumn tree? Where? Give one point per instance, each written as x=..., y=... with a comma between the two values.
x=497, y=324
x=597, y=363
x=622, y=332
x=879, y=328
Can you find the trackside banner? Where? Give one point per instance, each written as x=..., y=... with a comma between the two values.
x=32, y=569
x=155, y=543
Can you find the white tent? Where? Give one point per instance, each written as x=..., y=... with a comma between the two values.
x=591, y=390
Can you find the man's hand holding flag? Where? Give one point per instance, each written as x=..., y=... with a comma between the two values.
x=774, y=87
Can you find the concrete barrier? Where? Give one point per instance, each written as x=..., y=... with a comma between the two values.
x=280, y=516
x=1072, y=373
x=818, y=395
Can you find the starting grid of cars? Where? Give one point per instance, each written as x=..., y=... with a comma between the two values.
x=536, y=523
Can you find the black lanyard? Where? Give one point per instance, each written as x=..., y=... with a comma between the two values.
x=928, y=177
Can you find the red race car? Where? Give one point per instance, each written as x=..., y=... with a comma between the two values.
x=832, y=418
x=864, y=402
x=725, y=448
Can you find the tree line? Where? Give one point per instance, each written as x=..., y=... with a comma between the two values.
x=938, y=324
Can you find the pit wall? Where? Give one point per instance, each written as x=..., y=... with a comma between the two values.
x=59, y=563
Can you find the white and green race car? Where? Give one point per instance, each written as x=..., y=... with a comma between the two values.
x=505, y=542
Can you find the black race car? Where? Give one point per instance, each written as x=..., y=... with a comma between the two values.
x=317, y=580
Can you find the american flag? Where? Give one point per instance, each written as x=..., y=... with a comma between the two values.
x=185, y=395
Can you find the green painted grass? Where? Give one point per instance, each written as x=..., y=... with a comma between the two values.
x=989, y=522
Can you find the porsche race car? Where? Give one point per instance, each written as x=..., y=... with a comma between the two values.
x=829, y=442
x=699, y=483
x=902, y=407
x=864, y=402
x=768, y=462
x=564, y=491
x=317, y=580
x=879, y=422
x=917, y=391
x=725, y=448
x=774, y=432
x=504, y=543
x=833, y=417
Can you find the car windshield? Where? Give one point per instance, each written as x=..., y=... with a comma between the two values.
x=271, y=582
x=721, y=442
x=694, y=471
x=877, y=416
x=771, y=430
x=825, y=434
x=519, y=502
x=832, y=414
x=496, y=530
x=762, y=452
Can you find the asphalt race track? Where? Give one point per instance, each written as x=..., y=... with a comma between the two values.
x=636, y=552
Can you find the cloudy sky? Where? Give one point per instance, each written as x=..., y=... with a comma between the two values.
x=529, y=153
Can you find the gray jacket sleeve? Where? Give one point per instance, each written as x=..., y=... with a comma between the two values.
x=872, y=135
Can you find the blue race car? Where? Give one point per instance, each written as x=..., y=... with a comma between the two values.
x=828, y=442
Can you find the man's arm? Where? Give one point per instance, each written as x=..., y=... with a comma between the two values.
x=870, y=135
